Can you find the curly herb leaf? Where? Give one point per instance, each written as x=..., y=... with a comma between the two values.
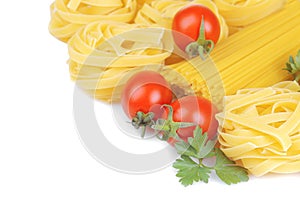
x=190, y=165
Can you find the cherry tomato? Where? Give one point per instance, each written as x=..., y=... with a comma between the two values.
x=196, y=110
x=187, y=22
x=146, y=91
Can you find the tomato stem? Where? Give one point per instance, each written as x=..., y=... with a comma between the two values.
x=202, y=46
x=143, y=131
x=168, y=126
x=143, y=120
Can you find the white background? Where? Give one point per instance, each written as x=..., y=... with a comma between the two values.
x=41, y=156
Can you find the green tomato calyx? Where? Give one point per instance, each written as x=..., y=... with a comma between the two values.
x=201, y=47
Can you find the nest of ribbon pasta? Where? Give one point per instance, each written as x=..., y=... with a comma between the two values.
x=260, y=128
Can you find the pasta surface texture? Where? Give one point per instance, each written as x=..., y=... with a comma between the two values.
x=67, y=16
x=260, y=128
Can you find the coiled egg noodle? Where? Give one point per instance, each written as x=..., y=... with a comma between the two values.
x=241, y=13
x=260, y=128
x=102, y=54
x=67, y=16
x=162, y=12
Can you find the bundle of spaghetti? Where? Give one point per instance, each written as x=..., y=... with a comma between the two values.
x=67, y=16
x=260, y=128
x=162, y=12
x=241, y=13
x=104, y=54
x=253, y=57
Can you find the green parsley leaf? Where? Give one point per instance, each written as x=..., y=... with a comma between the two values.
x=227, y=171
x=201, y=143
x=207, y=150
x=184, y=148
x=190, y=166
x=190, y=171
x=199, y=139
x=293, y=66
x=221, y=159
x=232, y=174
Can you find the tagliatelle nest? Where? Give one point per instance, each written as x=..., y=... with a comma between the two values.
x=67, y=16
x=104, y=54
x=260, y=128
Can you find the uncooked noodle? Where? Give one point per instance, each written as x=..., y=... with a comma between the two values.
x=67, y=16
x=260, y=128
x=103, y=52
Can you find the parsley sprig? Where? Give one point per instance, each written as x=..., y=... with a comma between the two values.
x=190, y=165
x=293, y=66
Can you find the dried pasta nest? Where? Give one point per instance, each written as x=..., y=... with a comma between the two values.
x=67, y=16
x=104, y=54
x=260, y=128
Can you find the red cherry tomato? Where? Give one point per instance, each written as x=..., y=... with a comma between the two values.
x=146, y=91
x=196, y=110
x=187, y=22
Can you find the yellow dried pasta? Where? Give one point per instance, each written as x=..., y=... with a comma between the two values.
x=260, y=128
x=241, y=13
x=142, y=2
x=162, y=12
x=104, y=53
x=253, y=57
x=67, y=16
